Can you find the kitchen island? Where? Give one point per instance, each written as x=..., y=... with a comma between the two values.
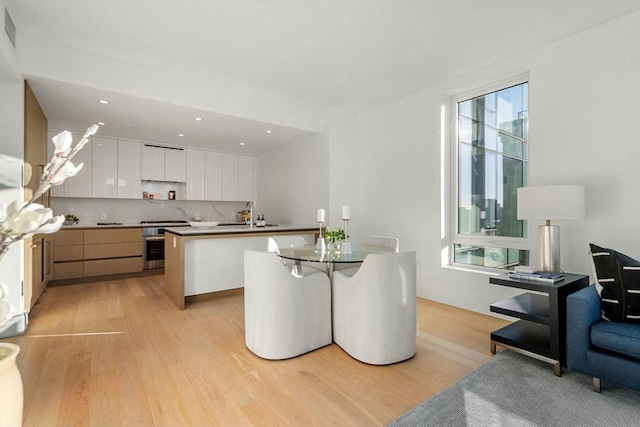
x=204, y=260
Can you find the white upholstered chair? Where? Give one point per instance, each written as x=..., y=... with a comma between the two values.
x=374, y=311
x=369, y=243
x=276, y=242
x=380, y=243
x=285, y=316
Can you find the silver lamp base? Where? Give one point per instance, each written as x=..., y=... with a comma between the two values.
x=549, y=248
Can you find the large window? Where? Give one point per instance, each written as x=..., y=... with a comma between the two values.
x=492, y=140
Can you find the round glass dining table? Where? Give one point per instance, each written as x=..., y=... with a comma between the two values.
x=312, y=254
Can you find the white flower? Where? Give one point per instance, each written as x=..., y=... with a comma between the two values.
x=26, y=219
x=52, y=225
x=92, y=130
x=62, y=142
x=67, y=170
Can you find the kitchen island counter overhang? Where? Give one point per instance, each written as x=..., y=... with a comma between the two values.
x=200, y=261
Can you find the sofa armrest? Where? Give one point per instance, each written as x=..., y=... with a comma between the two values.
x=583, y=310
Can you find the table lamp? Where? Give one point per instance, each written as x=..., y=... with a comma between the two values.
x=550, y=202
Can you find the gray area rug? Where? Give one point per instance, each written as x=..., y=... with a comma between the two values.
x=515, y=390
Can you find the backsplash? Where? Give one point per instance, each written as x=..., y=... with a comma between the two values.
x=129, y=211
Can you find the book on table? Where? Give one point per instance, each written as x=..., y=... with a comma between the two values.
x=538, y=276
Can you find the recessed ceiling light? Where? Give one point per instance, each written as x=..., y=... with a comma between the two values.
x=101, y=123
x=242, y=143
x=198, y=119
x=181, y=134
x=102, y=101
x=268, y=131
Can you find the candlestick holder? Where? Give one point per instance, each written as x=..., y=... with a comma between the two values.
x=346, y=246
x=320, y=244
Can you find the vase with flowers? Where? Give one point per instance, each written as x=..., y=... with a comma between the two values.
x=21, y=221
x=335, y=238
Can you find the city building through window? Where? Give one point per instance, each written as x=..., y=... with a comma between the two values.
x=492, y=161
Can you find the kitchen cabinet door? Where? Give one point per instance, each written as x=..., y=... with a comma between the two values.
x=229, y=177
x=80, y=185
x=213, y=175
x=129, y=181
x=175, y=165
x=56, y=190
x=152, y=163
x=104, y=167
x=195, y=175
x=246, y=178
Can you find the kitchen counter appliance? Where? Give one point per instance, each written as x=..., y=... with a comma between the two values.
x=153, y=243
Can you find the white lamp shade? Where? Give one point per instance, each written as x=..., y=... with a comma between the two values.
x=551, y=202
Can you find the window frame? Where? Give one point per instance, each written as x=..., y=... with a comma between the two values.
x=520, y=243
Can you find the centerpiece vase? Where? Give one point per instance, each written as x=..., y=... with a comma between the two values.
x=11, y=393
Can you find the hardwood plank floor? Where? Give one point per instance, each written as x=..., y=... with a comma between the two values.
x=119, y=353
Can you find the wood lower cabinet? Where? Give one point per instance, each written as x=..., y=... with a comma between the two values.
x=36, y=269
x=105, y=267
x=68, y=254
x=97, y=252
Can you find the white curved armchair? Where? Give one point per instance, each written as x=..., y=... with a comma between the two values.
x=369, y=243
x=374, y=311
x=380, y=243
x=285, y=316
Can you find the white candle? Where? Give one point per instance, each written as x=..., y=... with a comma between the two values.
x=320, y=215
x=346, y=213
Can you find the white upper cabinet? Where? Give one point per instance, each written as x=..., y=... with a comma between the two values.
x=56, y=190
x=104, y=167
x=175, y=164
x=152, y=163
x=213, y=175
x=230, y=177
x=78, y=185
x=116, y=168
x=195, y=189
x=246, y=178
x=163, y=164
x=129, y=159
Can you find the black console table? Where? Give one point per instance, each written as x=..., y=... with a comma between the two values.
x=541, y=330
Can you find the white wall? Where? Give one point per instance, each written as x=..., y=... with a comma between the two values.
x=12, y=146
x=584, y=129
x=293, y=181
x=41, y=59
x=584, y=110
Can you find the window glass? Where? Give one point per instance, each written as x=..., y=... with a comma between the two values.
x=492, y=149
x=491, y=257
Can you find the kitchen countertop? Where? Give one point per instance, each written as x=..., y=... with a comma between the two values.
x=138, y=225
x=237, y=229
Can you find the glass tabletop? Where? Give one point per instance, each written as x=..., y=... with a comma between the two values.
x=311, y=254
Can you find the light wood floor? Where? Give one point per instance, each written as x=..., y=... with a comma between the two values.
x=119, y=353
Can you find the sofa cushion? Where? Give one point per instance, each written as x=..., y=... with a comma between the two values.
x=623, y=338
x=619, y=277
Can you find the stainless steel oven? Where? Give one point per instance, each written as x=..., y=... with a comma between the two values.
x=153, y=243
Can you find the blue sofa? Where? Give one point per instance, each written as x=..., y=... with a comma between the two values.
x=608, y=351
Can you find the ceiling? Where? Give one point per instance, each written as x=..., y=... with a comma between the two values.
x=312, y=54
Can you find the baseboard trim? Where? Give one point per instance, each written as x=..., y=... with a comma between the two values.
x=92, y=279
x=457, y=299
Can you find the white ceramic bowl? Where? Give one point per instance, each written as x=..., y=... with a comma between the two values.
x=204, y=224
